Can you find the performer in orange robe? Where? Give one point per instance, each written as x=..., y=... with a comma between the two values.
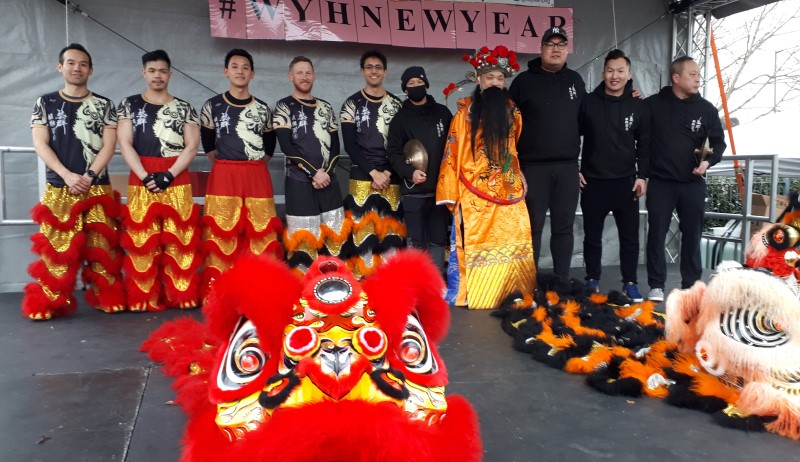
x=481, y=183
x=158, y=136
x=74, y=133
x=237, y=134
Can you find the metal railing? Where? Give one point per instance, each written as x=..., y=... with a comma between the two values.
x=42, y=181
x=746, y=217
x=3, y=151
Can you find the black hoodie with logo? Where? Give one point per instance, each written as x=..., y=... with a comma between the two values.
x=429, y=123
x=616, y=135
x=549, y=102
x=678, y=127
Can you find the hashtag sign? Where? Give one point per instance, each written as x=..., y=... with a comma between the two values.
x=227, y=6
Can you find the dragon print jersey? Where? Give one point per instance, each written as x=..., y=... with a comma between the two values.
x=371, y=117
x=313, y=123
x=76, y=130
x=157, y=129
x=239, y=128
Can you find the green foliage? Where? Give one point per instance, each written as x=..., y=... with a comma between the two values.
x=723, y=194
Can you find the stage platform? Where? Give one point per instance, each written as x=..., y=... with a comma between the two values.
x=78, y=389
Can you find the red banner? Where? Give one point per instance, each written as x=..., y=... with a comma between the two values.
x=405, y=23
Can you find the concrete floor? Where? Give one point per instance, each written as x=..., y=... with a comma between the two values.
x=78, y=389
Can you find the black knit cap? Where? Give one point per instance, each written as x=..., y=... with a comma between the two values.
x=410, y=73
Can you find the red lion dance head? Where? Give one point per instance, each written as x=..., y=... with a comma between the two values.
x=320, y=369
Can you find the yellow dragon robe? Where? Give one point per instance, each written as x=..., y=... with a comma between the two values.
x=493, y=234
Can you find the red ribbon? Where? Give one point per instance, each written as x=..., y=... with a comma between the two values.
x=485, y=196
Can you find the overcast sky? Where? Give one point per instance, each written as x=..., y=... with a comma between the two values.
x=731, y=31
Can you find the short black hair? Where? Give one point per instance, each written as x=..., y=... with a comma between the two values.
x=156, y=55
x=616, y=54
x=300, y=59
x=74, y=46
x=239, y=52
x=373, y=54
x=677, y=65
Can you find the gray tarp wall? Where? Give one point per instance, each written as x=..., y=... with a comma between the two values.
x=34, y=32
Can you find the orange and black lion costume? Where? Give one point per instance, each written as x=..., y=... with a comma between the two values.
x=323, y=368
x=729, y=348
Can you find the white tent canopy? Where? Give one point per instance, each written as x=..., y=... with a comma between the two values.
x=116, y=31
x=34, y=32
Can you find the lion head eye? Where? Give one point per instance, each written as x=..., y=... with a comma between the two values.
x=243, y=359
x=414, y=350
x=752, y=327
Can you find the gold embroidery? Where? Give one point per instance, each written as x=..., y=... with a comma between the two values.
x=361, y=191
x=180, y=283
x=183, y=259
x=260, y=211
x=226, y=210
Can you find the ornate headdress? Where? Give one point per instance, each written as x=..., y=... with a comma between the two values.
x=484, y=60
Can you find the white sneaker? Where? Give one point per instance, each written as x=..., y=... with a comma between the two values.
x=656, y=295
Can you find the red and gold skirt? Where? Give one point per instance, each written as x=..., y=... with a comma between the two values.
x=239, y=215
x=162, y=240
x=75, y=231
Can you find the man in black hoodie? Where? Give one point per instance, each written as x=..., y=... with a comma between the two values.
x=681, y=120
x=549, y=96
x=423, y=119
x=616, y=132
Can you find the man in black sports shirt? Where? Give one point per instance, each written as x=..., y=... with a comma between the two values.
x=159, y=135
x=74, y=133
x=309, y=137
x=236, y=131
x=373, y=201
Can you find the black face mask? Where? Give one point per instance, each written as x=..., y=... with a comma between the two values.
x=417, y=94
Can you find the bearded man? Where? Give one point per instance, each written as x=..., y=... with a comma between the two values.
x=309, y=137
x=481, y=182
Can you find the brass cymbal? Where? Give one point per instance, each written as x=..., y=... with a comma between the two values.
x=416, y=155
x=703, y=152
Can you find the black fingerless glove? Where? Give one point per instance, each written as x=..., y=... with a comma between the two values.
x=148, y=179
x=163, y=179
